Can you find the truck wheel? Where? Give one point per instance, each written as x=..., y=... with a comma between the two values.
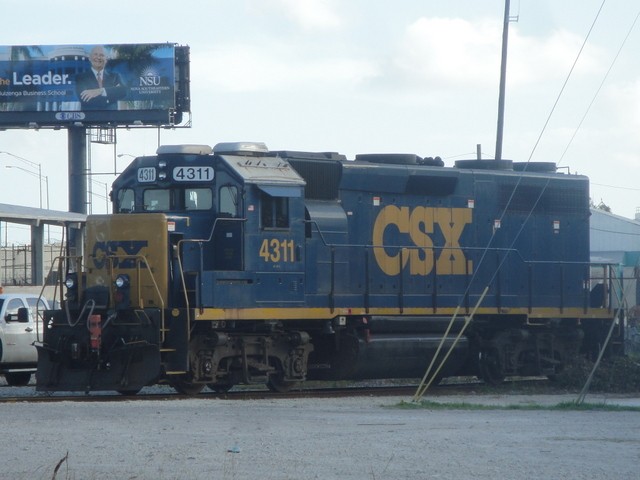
x=18, y=379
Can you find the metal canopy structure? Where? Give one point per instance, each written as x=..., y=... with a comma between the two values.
x=37, y=218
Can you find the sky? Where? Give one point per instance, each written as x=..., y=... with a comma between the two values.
x=361, y=76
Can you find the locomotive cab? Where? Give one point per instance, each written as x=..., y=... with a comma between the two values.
x=231, y=219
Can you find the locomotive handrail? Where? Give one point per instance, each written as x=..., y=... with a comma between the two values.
x=213, y=227
x=179, y=258
x=57, y=261
x=441, y=248
x=589, y=278
x=141, y=260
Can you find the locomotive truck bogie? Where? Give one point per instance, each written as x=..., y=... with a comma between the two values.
x=226, y=359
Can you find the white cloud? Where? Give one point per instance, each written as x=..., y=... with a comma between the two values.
x=536, y=59
x=625, y=99
x=450, y=51
x=444, y=51
x=275, y=67
x=308, y=14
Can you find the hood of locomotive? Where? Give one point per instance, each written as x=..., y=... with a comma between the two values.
x=132, y=249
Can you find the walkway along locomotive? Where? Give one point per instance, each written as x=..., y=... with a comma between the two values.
x=243, y=265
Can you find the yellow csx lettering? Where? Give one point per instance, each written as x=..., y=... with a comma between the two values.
x=128, y=249
x=420, y=223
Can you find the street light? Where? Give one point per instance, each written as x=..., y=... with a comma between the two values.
x=33, y=165
x=46, y=179
x=105, y=196
x=40, y=177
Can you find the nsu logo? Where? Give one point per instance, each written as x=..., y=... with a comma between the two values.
x=149, y=78
x=419, y=224
x=128, y=249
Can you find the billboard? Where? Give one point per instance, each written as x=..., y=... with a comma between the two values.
x=93, y=85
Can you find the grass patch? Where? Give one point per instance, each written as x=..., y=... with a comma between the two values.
x=563, y=406
x=615, y=375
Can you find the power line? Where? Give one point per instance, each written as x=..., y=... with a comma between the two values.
x=616, y=186
x=615, y=58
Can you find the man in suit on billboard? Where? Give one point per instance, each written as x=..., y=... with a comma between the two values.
x=96, y=88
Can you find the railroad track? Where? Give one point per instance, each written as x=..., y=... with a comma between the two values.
x=29, y=395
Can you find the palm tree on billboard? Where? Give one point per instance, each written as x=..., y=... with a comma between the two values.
x=138, y=58
x=19, y=53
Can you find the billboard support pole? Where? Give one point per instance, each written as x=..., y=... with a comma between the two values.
x=77, y=138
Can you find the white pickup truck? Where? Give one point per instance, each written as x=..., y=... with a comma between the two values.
x=18, y=331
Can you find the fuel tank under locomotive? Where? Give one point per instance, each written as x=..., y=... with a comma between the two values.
x=387, y=347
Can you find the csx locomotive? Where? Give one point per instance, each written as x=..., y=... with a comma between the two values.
x=240, y=265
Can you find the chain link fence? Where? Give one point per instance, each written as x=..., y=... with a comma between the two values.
x=15, y=264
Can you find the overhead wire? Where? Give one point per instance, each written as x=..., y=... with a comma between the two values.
x=424, y=384
x=597, y=92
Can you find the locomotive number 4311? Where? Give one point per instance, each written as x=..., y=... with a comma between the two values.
x=276, y=250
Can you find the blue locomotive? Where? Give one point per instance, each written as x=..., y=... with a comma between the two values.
x=242, y=265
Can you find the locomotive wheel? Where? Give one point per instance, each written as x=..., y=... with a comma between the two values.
x=185, y=387
x=278, y=385
x=490, y=366
x=220, y=387
x=18, y=379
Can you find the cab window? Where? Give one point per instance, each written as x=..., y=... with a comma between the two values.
x=126, y=200
x=228, y=203
x=157, y=200
x=197, y=199
x=274, y=211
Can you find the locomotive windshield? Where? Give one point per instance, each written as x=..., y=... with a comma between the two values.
x=165, y=200
x=126, y=200
x=156, y=200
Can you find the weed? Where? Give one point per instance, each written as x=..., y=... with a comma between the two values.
x=564, y=406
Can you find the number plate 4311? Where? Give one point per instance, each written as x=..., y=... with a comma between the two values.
x=276, y=250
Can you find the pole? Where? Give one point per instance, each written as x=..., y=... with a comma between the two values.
x=46, y=179
x=503, y=76
x=40, y=182
x=77, y=138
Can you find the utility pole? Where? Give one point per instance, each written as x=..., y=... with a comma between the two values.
x=503, y=80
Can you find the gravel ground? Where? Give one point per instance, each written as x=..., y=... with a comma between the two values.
x=352, y=438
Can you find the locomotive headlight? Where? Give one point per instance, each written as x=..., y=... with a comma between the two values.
x=122, y=297
x=162, y=175
x=122, y=281
x=70, y=282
